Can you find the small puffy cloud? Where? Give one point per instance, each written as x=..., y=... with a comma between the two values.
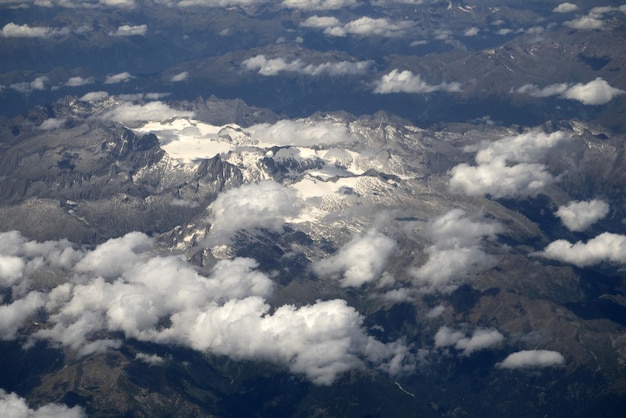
x=118, y=78
x=578, y=216
x=11, y=269
x=262, y=205
x=606, y=247
x=321, y=22
x=94, y=96
x=11, y=30
x=125, y=4
x=79, y=81
x=594, y=19
x=26, y=87
x=289, y=132
x=128, y=30
x=436, y=312
x=481, y=339
x=455, y=254
x=407, y=82
x=532, y=359
x=309, y=5
x=151, y=359
x=218, y=3
x=360, y=261
x=565, y=8
x=387, y=2
x=596, y=92
x=157, y=110
x=272, y=67
x=52, y=123
x=13, y=315
x=505, y=167
x=473, y=31
x=586, y=23
x=363, y=26
x=179, y=77
x=13, y=406
x=368, y=26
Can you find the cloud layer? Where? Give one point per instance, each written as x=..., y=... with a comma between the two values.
x=125, y=286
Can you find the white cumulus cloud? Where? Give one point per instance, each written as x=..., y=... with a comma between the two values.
x=125, y=286
x=126, y=112
x=79, y=81
x=52, y=123
x=407, y=82
x=578, y=216
x=363, y=26
x=179, y=77
x=274, y=66
x=532, y=359
x=480, y=339
x=13, y=406
x=565, y=8
x=309, y=5
x=321, y=22
x=300, y=133
x=262, y=205
x=128, y=30
x=360, y=261
x=118, y=78
x=606, y=247
x=595, y=92
x=11, y=30
x=456, y=253
x=505, y=168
